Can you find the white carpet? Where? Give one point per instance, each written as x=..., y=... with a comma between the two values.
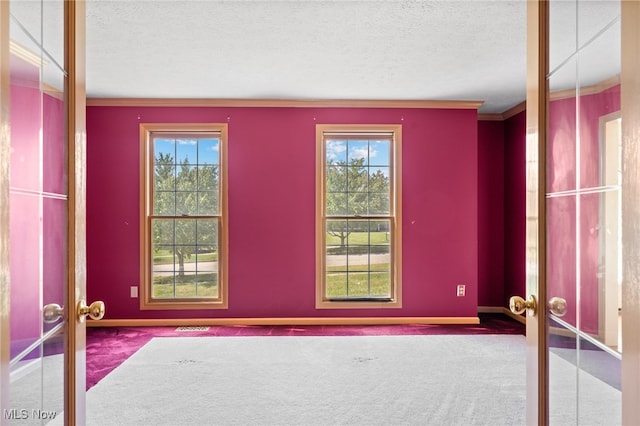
x=357, y=380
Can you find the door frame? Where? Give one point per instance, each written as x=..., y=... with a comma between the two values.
x=537, y=368
x=76, y=102
x=630, y=109
x=5, y=149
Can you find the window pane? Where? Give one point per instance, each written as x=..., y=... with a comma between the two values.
x=336, y=151
x=164, y=204
x=163, y=259
x=361, y=248
x=164, y=177
x=379, y=153
x=163, y=285
x=186, y=260
x=162, y=232
x=207, y=285
x=207, y=230
x=186, y=286
x=357, y=179
x=186, y=151
x=380, y=284
x=208, y=203
x=336, y=178
x=185, y=231
x=164, y=150
x=207, y=178
x=357, y=203
x=358, y=284
x=379, y=179
x=208, y=151
x=336, y=284
x=379, y=204
x=186, y=179
x=336, y=203
x=358, y=153
x=380, y=231
x=337, y=232
x=186, y=203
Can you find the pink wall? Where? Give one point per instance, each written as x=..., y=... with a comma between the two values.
x=491, y=211
x=272, y=208
x=514, y=207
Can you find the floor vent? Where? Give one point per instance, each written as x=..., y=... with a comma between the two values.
x=192, y=329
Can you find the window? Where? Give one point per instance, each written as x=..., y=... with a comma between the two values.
x=358, y=226
x=183, y=216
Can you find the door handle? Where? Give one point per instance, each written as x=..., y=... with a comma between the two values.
x=95, y=311
x=52, y=313
x=518, y=305
x=557, y=305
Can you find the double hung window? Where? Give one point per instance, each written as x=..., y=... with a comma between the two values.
x=358, y=223
x=183, y=216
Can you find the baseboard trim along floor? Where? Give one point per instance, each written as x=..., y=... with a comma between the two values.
x=187, y=322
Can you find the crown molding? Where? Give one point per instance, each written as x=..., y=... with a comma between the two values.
x=282, y=103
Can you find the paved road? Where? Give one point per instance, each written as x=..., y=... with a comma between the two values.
x=357, y=259
x=332, y=260
x=203, y=267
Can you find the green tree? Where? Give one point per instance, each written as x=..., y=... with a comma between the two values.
x=185, y=190
x=354, y=189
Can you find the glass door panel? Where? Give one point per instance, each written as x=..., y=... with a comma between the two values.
x=582, y=198
x=37, y=216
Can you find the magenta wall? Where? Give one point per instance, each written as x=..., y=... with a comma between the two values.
x=514, y=207
x=272, y=208
x=491, y=211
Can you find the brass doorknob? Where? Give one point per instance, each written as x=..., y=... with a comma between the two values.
x=52, y=313
x=518, y=305
x=95, y=310
x=557, y=306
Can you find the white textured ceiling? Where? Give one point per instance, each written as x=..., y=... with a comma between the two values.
x=398, y=50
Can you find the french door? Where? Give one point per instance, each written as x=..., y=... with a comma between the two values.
x=42, y=219
x=583, y=187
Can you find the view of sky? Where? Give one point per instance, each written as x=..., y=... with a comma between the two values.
x=374, y=152
x=196, y=151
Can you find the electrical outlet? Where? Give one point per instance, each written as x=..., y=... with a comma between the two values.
x=461, y=290
x=134, y=291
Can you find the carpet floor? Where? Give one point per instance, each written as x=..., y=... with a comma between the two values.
x=109, y=347
x=465, y=374
x=316, y=380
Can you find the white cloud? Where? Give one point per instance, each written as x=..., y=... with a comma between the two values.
x=359, y=153
x=334, y=148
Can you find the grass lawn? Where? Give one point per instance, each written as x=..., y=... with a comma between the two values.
x=186, y=287
x=358, y=238
x=372, y=281
x=162, y=257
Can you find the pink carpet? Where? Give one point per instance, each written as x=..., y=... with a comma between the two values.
x=109, y=347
